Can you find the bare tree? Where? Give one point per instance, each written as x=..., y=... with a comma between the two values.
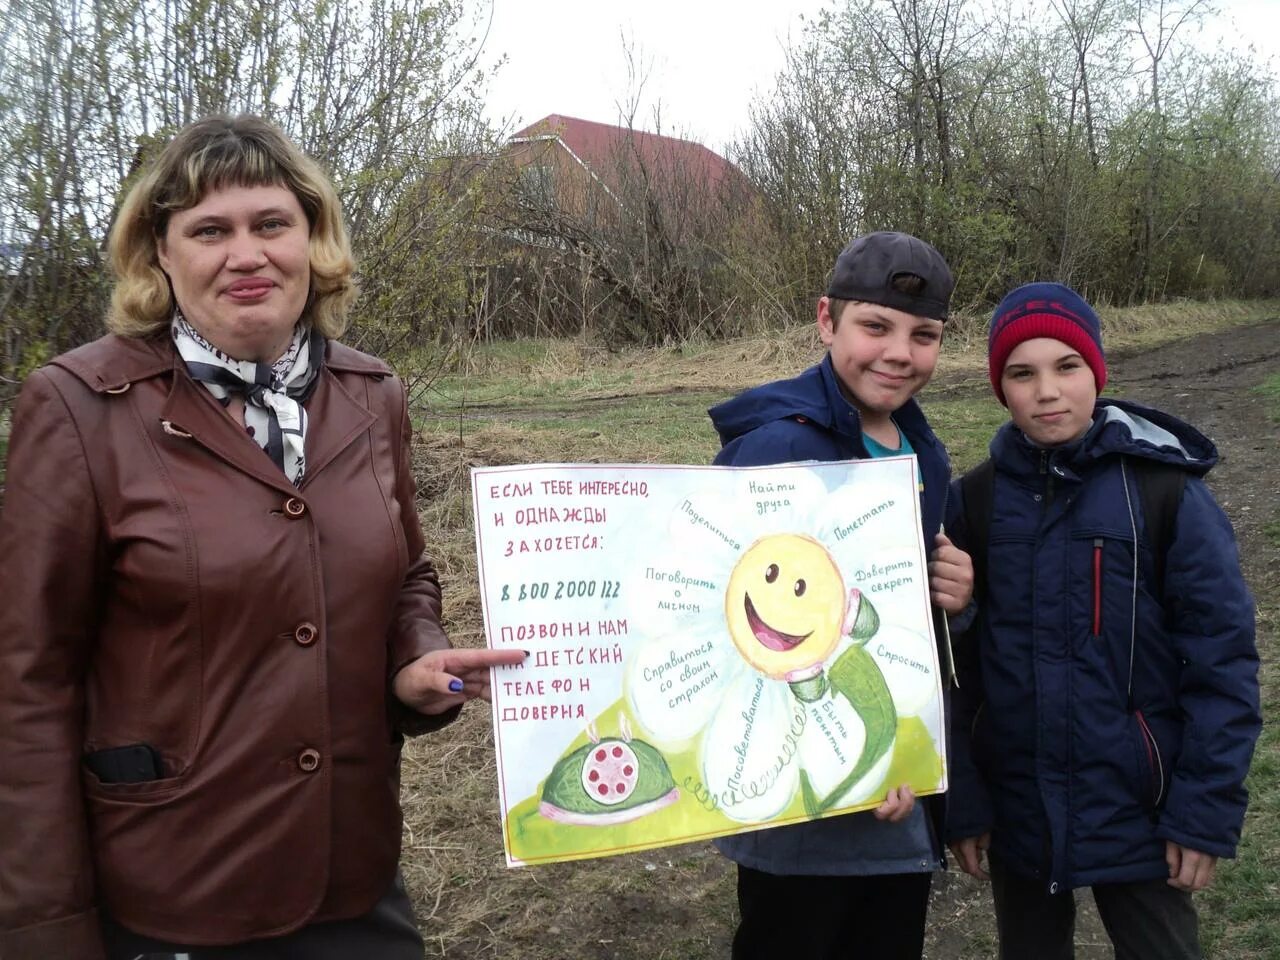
x=1156, y=24
x=377, y=91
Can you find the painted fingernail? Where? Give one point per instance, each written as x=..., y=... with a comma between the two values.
x=455, y=686
x=527, y=654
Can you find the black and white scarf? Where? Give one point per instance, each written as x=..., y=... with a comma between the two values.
x=273, y=393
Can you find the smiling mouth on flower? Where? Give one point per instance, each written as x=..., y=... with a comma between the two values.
x=767, y=635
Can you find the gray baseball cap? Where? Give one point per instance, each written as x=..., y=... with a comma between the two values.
x=866, y=268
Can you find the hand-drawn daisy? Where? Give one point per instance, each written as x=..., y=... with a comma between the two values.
x=786, y=686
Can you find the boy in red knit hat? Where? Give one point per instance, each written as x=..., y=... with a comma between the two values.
x=1108, y=699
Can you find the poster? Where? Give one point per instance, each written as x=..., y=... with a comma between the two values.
x=711, y=649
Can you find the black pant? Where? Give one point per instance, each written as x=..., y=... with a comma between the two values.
x=1146, y=920
x=387, y=932
x=831, y=918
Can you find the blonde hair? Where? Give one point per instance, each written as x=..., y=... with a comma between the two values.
x=213, y=154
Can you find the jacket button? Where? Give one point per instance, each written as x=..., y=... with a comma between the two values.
x=294, y=507
x=1053, y=887
x=309, y=760
x=305, y=635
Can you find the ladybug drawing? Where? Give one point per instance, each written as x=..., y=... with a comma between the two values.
x=608, y=781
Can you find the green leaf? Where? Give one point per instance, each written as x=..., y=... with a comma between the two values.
x=856, y=676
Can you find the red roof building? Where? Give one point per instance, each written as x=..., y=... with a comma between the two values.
x=601, y=226
x=607, y=152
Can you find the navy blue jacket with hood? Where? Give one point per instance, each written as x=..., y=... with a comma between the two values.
x=1100, y=713
x=808, y=418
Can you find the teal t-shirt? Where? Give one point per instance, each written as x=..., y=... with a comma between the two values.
x=877, y=449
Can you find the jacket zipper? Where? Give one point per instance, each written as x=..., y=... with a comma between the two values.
x=1048, y=481
x=1097, y=587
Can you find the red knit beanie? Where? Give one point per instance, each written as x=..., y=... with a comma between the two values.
x=1044, y=310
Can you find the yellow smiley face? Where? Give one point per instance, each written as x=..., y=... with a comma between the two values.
x=785, y=604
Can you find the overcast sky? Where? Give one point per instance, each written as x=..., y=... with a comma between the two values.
x=705, y=58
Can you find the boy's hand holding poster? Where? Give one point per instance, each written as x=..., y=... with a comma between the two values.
x=712, y=649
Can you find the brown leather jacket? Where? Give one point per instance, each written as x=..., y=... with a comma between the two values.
x=162, y=582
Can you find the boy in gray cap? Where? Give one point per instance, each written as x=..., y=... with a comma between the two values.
x=861, y=881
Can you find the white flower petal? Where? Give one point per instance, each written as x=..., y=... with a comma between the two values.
x=750, y=754
x=675, y=597
x=866, y=509
x=674, y=682
x=906, y=659
x=778, y=500
x=709, y=527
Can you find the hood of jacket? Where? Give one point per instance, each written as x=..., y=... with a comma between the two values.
x=1120, y=427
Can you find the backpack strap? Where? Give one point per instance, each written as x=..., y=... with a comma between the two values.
x=1160, y=487
x=978, y=487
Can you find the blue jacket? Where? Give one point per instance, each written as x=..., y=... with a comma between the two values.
x=808, y=418
x=1097, y=714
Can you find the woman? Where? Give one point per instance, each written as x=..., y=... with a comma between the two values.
x=218, y=616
